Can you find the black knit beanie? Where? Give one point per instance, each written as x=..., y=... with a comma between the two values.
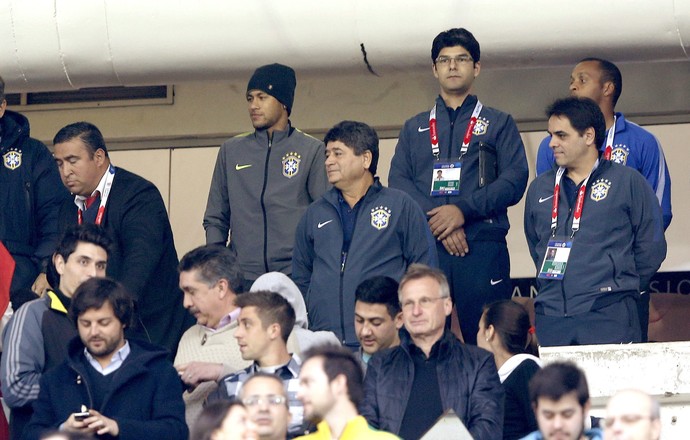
x=278, y=81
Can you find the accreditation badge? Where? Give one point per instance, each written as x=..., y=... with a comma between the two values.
x=445, y=179
x=556, y=259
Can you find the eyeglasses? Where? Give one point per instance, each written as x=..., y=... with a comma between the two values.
x=459, y=59
x=271, y=400
x=626, y=419
x=424, y=303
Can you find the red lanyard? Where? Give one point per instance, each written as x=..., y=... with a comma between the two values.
x=609, y=140
x=433, y=131
x=579, y=204
x=109, y=176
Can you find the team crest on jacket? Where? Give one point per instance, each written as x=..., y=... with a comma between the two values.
x=380, y=217
x=481, y=126
x=600, y=189
x=12, y=159
x=619, y=154
x=291, y=164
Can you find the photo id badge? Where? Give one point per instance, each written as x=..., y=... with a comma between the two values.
x=556, y=259
x=445, y=179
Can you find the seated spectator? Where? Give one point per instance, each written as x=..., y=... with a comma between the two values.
x=410, y=386
x=131, y=383
x=505, y=331
x=331, y=391
x=378, y=316
x=210, y=279
x=266, y=320
x=301, y=338
x=224, y=420
x=632, y=415
x=266, y=400
x=560, y=398
x=37, y=335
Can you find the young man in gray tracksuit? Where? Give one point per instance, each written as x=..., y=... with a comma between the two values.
x=357, y=230
x=263, y=181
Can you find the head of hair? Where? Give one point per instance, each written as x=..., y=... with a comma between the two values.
x=380, y=290
x=211, y=418
x=512, y=326
x=95, y=292
x=86, y=233
x=271, y=309
x=88, y=133
x=213, y=263
x=358, y=136
x=609, y=72
x=2, y=89
x=264, y=375
x=582, y=113
x=418, y=271
x=558, y=379
x=339, y=360
x=456, y=37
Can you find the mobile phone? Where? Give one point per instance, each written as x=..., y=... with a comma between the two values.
x=80, y=416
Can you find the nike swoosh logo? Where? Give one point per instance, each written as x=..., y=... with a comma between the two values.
x=493, y=283
x=321, y=225
x=241, y=167
x=543, y=199
x=420, y=129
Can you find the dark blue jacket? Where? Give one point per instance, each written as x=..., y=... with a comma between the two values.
x=390, y=233
x=145, y=398
x=31, y=193
x=467, y=379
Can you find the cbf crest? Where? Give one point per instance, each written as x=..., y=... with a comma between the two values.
x=12, y=159
x=619, y=154
x=380, y=216
x=481, y=126
x=291, y=164
x=600, y=189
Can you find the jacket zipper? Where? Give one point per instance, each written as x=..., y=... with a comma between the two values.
x=82, y=378
x=263, y=204
x=343, y=260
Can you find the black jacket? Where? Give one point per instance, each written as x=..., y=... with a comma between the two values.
x=467, y=378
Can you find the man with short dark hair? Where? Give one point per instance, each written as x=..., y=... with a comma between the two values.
x=560, y=398
x=264, y=181
x=605, y=224
x=36, y=337
x=482, y=158
x=265, y=397
x=378, y=316
x=330, y=387
x=29, y=204
x=109, y=386
x=357, y=230
x=407, y=388
x=265, y=322
x=210, y=280
x=632, y=415
x=131, y=209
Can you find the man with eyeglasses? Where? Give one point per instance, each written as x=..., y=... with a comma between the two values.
x=407, y=388
x=632, y=415
x=266, y=400
x=482, y=158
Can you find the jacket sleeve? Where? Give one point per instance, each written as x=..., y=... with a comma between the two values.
x=653, y=167
x=529, y=226
x=544, y=156
x=23, y=358
x=511, y=182
x=418, y=243
x=303, y=256
x=318, y=181
x=217, y=216
x=401, y=175
x=167, y=417
x=486, y=400
x=646, y=219
x=370, y=406
x=49, y=195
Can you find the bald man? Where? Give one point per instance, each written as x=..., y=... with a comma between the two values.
x=632, y=415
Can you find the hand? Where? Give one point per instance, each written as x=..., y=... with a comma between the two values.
x=101, y=424
x=444, y=220
x=194, y=373
x=456, y=243
x=40, y=286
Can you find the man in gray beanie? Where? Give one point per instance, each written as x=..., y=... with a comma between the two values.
x=263, y=181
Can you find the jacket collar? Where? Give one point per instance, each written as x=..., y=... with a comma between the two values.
x=332, y=195
x=441, y=347
x=278, y=135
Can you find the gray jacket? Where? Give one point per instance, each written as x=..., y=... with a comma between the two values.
x=261, y=187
